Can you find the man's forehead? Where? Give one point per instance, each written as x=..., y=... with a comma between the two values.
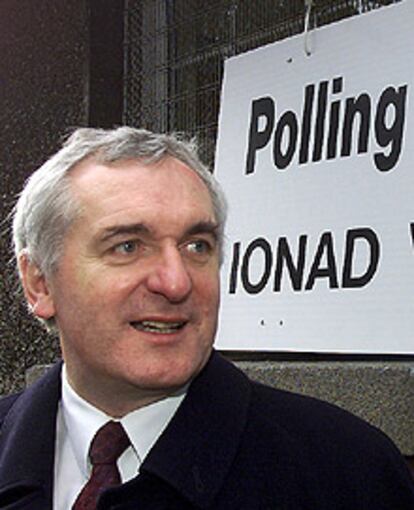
x=93, y=177
x=126, y=189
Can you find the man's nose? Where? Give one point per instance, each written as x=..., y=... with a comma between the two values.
x=169, y=276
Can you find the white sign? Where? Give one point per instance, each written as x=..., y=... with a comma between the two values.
x=316, y=156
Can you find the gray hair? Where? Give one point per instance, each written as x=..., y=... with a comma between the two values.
x=46, y=208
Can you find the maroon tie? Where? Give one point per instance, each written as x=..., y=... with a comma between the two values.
x=108, y=444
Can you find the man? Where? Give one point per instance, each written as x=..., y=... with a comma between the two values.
x=118, y=239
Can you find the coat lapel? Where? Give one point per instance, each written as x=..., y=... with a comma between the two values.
x=27, y=439
x=195, y=452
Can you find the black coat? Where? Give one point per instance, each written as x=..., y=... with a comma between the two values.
x=233, y=444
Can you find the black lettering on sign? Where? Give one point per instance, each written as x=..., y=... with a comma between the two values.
x=263, y=108
x=350, y=118
x=265, y=247
x=412, y=232
x=360, y=234
x=288, y=120
x=334, y=120
x=234, y=266
x=322, y=262
x=360, y=106
x=318, y=270
x=320, y=121
x=390, y=134
x=306, y=123
x=284, y=259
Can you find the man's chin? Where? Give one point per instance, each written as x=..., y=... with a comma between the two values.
x=171, y=376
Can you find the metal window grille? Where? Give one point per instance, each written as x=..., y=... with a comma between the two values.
x=175, y=49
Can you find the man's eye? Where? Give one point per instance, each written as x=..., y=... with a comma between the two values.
x=126, y=247
x=200, y=246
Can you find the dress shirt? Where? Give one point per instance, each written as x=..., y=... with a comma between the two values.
x=77, y=423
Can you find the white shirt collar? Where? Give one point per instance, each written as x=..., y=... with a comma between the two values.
x=143, y=426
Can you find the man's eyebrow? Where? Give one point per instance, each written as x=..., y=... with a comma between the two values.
x=116, y=230
x=201, y=227
x=204, y=227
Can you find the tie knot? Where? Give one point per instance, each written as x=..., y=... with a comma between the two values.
x=108, y=444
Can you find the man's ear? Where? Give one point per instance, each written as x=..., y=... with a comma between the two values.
x=35, y=288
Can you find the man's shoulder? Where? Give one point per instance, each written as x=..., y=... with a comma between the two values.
x=299, y=418
x=6, y=403
x=289, y=405
x=318, y=431
x=43, y=393
x=307, y=418
x=293, y=439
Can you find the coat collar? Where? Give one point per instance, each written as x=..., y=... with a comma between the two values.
x=27, y=439
x=198, y=447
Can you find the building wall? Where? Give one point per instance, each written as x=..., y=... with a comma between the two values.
x=44, y=47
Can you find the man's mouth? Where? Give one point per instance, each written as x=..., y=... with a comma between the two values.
x=160, y=327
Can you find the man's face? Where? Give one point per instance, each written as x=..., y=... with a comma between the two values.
x=136, y=291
